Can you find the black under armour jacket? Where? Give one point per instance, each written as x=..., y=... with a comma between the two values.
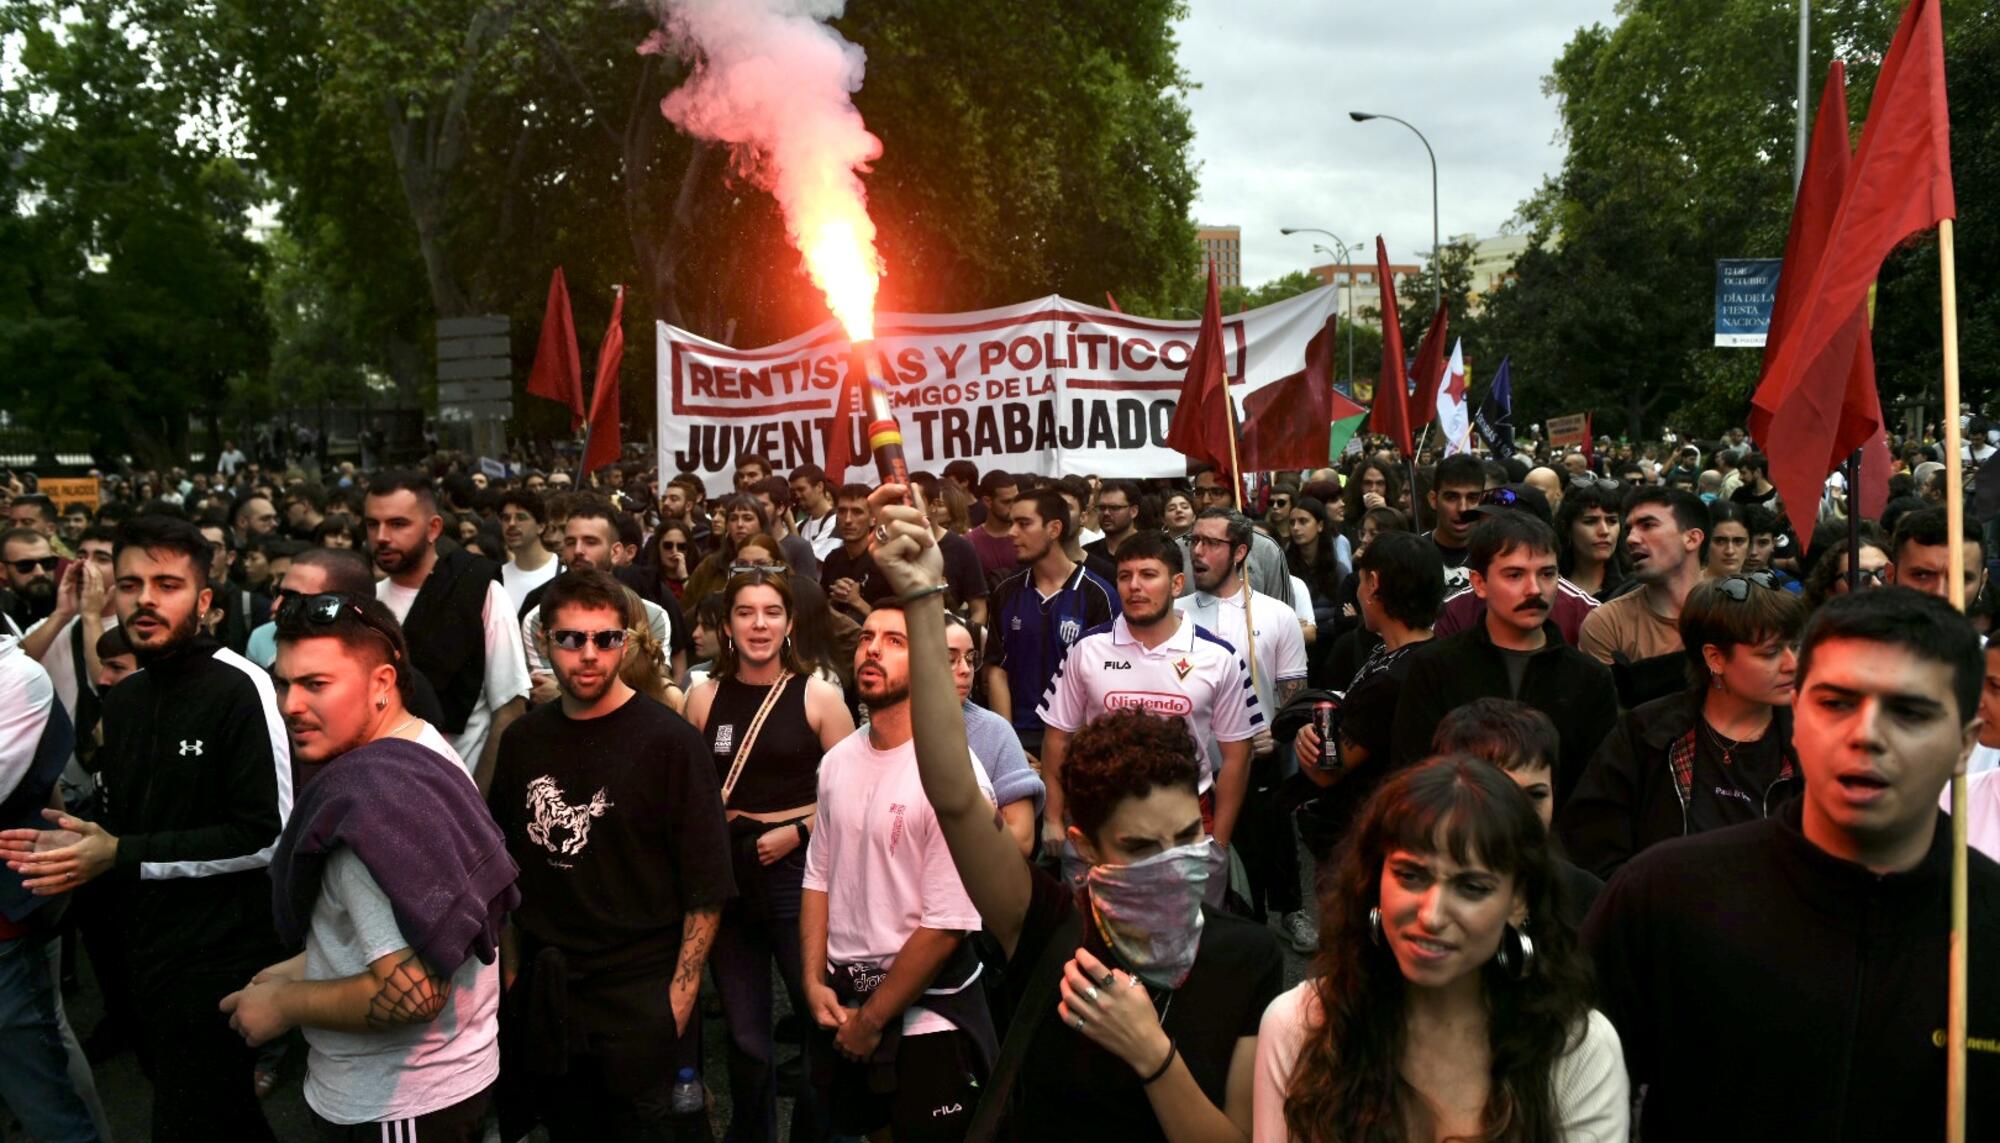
x=197, y=783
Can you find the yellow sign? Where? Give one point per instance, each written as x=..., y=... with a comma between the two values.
x=63, y=491
x=1570, y=431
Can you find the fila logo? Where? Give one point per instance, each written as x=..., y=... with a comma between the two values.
x=948, y=1109
x=1115, y=665
x=188, y=748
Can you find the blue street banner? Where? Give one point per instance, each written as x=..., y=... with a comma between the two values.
x=1745, y=288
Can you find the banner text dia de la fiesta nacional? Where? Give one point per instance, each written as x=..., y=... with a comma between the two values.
x=1048, y=386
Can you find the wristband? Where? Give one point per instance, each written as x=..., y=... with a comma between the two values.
x=925, y=593
x=805, y=835
x=1173, y=1049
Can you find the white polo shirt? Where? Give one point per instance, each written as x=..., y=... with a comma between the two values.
x=1982, y=807
x=1280, y=646
x=1194, y=675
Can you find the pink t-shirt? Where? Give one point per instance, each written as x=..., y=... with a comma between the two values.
x=878, y=855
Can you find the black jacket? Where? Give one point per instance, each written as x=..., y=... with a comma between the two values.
x=446, y=630
x=1628, y=800
x=1572, y=688
x=1764, y=989
x=196, y=779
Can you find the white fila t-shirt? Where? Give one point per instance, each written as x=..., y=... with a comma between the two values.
x=1193, y=675
x=1280, y=645
x=878, y=855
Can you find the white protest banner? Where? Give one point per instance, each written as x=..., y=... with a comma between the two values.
x=1047, y=386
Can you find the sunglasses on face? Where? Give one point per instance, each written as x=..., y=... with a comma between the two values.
x=672, y=546
x=607, y=640
x=1737, y=587
x=27, y=567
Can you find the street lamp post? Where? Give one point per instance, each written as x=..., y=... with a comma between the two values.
x=1437, y=283
x=1347, y=260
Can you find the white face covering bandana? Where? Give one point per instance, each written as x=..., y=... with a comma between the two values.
x=1149, y=912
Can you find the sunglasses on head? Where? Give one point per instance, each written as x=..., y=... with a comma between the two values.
x=27, y=567
x=1504, y=497
x=755, y=569
x=325, y=610
x=609, y=639
x=1603, y=483
x=1737, y=587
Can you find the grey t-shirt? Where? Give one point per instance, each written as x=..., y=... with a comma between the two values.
x=1517, y=667
x=367, y=1077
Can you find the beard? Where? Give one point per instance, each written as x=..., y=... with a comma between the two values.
x=178, y=636
x=1136, y=618
x=37, y=591
x=593, y=690
x=878, y=690
x=392, y=559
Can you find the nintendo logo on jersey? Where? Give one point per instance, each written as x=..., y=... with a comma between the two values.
x=1166, y=705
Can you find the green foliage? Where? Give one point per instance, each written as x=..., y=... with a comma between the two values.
x=1680, y=123
x=130, y=295
x=439, y=157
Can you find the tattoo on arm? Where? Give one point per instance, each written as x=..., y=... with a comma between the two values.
x=697, y=933
x=1288, y=690
x=408, y=993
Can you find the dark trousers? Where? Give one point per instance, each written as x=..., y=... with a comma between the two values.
x=1264, y=839
x=462, y=1122
x=202, y=1083
x=759, y=927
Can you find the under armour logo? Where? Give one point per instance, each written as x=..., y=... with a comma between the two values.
x=188, y=748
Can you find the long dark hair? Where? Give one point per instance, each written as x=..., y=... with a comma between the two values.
x=1348, y=1083
x=1392, y=489
x=1321, y=570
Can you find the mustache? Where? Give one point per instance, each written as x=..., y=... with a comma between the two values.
x=1531, y=606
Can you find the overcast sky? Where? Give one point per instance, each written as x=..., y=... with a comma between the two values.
x=1277, y=149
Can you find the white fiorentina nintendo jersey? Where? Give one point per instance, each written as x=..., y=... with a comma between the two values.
x=1193, y=675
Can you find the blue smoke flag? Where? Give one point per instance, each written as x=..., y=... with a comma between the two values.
x=1495, y=419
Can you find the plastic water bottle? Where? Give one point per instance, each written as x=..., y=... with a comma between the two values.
x=688, y=1098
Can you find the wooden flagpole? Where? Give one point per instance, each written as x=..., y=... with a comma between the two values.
x=1954, y=504
x=1236, y=483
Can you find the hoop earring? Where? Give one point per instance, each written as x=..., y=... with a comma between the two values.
x=1519, y=961
x=1375, y=925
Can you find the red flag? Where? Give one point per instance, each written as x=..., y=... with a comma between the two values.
x=1289, y=423
x=1390, y=416
x=605, y=444
x=1900, y=183
x=558, y=374
x=840, y=427
x=1429, y=369
x=1200, y=428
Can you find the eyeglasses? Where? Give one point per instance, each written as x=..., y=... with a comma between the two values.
x=1208, y=542
x=1601, y=483
x=609, y=639
x=1737, y=587
x=963, y=658
x=325, y=610
x=27, y=567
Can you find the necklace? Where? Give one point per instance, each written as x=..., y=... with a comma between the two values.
x=1728, y=746
x=405, y=726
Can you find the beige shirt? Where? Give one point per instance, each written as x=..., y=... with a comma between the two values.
x=1627, y=626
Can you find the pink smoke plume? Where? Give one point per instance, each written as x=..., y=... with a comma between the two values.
x=773, y=81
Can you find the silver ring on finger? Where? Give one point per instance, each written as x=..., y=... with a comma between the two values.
x=1079, y=1023
x=882, y=533
x=1132, y=981
x=1090, y=993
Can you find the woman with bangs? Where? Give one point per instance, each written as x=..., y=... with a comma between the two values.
x=1718, y=754
x=767, y=721
x=1587, y=526
x=1449, y=999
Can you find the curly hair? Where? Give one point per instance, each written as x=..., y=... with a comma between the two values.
x=1348, y=1084
x=1125, y=754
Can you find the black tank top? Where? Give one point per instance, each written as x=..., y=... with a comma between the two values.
x=782, y=772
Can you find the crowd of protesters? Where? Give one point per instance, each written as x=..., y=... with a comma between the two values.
x=1566, y=769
